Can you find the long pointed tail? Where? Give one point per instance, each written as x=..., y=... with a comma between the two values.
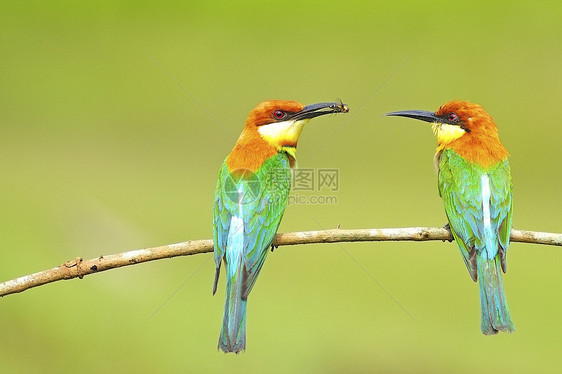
x=495, y=313
x=233, y=333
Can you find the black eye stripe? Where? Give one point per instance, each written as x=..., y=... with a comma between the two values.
x=454, y=119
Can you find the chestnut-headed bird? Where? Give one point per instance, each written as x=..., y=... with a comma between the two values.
x=250, y=198
x=475, y=185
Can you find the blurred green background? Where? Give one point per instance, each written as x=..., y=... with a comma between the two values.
x=103, y=151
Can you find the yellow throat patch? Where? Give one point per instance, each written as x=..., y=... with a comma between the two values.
x=282, y=134
x=446, y=133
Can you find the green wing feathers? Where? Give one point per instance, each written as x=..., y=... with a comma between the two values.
x=460, y=186
x=259, y=199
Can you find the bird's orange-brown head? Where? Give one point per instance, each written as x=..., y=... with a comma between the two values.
x=275, y=126
x=466, y=128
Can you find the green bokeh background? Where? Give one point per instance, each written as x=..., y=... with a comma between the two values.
x=114, y=119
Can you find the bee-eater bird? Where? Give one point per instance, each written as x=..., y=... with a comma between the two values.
x=250, y=198
x=475, y=185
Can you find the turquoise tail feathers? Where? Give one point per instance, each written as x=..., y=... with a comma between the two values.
x=233, y=333
x=495, y=312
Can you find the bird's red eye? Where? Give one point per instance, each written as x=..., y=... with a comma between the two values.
x=278, y=114
x=453, y=117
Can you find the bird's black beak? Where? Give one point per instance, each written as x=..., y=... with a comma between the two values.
x=315, y=110
x=416, y=114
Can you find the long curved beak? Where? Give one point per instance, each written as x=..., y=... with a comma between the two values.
x=422, y=115
x=315, y=110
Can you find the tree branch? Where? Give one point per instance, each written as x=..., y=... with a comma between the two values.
x=78, y=268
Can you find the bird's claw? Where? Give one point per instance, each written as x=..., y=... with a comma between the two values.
x=448, y=228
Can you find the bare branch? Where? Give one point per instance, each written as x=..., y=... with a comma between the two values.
x=78, y=268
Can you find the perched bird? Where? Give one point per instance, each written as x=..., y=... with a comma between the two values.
x=475, y=185
x=250, y=198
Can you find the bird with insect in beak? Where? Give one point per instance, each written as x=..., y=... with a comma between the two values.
x=475, y=185
x=250, y=198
